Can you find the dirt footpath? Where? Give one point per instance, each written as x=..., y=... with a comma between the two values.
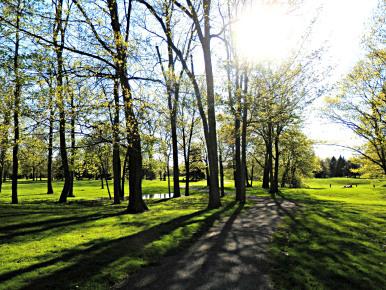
x=231, y=255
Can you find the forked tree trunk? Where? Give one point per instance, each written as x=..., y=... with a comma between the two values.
x=136, y=203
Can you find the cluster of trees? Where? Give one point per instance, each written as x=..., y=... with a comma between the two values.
x=333, y=167
x=360, y=104
x=127, y=88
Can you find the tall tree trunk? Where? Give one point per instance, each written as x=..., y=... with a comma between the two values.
x=59, y=47
x=116, y=153
x=176, y=170
x=243, y=170
x=214, y=194
x=50, y=190
x=238, y=167
x=172, y=104
x=186, y=145
x=136, y=203
x=16, y=108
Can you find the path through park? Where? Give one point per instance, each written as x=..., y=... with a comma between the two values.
x=231, y=255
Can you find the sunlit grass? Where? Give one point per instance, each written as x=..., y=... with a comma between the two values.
x=336, y=239
x=89, y=242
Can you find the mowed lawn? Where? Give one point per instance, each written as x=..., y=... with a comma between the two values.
x=89, y=243
x=336, y=239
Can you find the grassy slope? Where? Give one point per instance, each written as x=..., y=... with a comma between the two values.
x=90, y=243
x=336, y=239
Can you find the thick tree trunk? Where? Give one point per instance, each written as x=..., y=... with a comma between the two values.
x=171, y=81
x=136, y=203
x=214, y=194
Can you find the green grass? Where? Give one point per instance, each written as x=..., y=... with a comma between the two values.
x=89, y=243
x=336, y=239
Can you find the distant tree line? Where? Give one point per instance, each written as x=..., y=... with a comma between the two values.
x=337, y=167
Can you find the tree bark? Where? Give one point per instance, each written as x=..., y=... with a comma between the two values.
x=16, y=109
x=136, y=203
x=59, y=47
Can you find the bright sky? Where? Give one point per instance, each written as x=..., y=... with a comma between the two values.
x=269, y=32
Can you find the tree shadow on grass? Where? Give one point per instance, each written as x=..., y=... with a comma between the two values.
x=22, y=229
x=328, y=245
x=87, y=262
x=231, y=255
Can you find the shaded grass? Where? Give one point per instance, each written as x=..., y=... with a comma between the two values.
x=335, y=240
x=88, y=243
